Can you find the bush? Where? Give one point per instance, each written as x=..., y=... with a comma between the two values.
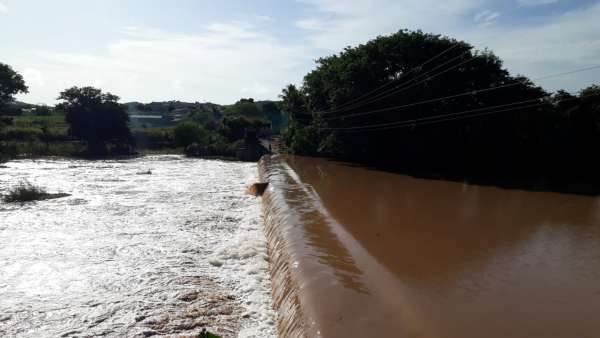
x=5, y=121
x=207, y=334
x=302, y=140
x=21, y=134
x=36, y=148
x=154, y=138
x=332, y=145
x=7, y=151
x=42, y=111
x=187, y=133
x=26, y=192
x=234, y=127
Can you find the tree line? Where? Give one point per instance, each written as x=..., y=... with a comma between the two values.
x=358, y=106
x=98, y=121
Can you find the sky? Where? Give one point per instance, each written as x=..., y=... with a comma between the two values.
x=220, y=51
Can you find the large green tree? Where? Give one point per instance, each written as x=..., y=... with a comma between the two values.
x=293, y=103
x=403, y=76
x=245, y=107
x=96, y=118
x=11, y=83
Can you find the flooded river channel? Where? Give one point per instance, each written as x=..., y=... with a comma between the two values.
x=164, y=246
x=154, y=246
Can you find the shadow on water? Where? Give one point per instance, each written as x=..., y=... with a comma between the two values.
x=571, y=185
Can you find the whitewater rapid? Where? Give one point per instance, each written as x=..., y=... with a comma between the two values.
x=152, y=246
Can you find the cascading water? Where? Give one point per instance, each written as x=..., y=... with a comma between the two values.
x=152, y=246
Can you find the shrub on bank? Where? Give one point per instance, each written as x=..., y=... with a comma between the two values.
x=154, y=138
x=218, y=148
x=37, y=148
x=20, y=134
x=7, y=151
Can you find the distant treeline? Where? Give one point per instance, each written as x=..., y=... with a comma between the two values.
x=89, y=122
x=432, y=105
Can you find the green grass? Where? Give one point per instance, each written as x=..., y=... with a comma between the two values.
x=62, y=149
x=207, y=334
x=51, y=121
x=26, y=192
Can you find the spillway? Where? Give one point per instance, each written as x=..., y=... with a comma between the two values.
x=356, y=252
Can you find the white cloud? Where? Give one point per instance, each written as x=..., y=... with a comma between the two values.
x=311, y=24
x=221, y=64
x=351, y=22
x=536, y=2
x=264, y=18
x=34, y=77
x=567, y=42
x=228, y=60
x=3, y=8
x=559, y=44
x=485, y=17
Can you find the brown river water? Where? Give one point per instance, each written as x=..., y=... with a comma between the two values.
x=363, y=253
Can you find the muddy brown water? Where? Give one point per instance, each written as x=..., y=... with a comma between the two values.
x=363, y=253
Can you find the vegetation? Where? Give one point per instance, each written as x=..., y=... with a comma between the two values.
x=207, y=334
x=98, y=119
x=245, y=107
x=26, y=192
x=200, y=142
x=11, y=83
x=355, y=105
x=89, y=122
x=154, y=138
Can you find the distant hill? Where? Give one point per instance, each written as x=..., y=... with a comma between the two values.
x=18, y=108
x=166, y=113
x=170, y=106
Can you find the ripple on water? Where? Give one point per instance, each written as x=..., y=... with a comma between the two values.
x=130, y=255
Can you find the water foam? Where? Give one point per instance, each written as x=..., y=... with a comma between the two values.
x=163, y=254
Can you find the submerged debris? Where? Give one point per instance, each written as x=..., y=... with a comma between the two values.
x=27, y=192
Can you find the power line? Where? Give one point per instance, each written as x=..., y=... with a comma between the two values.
x=426, y=79
x=412, y=121
x=402, y=87
x=474, y=92
x=453, y=119
x=401, y=76
x=447, y=117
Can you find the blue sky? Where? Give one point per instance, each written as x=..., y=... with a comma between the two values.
x=189, y=50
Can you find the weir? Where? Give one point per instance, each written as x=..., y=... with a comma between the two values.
x=362, y=253
x=319, y=289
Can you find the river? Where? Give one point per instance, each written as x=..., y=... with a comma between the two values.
x=153, y=246
x=165, y=245
x=367, y=253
